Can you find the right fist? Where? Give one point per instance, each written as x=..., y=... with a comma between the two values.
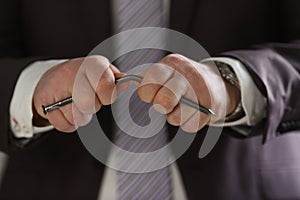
x=94, y=80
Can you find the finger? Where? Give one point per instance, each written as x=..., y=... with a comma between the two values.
x=156, y=76
x=79, y=118
x=84, y=96
x=183, y=112
x=180, y=114
x=193, y=72
x=195, y=122
x=57, y=119
x=169, y=95
x=119, y=75
x=99, y=72
x=74, y=116
x=68, y=113
x=189, y=120
x=106, y=88
x=45, y=97
x=40, y=100
x=114, y=69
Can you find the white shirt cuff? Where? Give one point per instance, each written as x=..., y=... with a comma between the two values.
x=21, y=104
x=253, y=102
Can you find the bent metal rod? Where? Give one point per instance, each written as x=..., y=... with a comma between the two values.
x=123, y=79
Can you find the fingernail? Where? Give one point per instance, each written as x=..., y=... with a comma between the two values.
x=119, y=74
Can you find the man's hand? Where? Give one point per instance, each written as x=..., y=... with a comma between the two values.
x=94, y=79
x=175, y=76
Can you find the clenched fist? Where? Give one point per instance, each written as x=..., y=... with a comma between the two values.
x=165, y=82
x=94, y=77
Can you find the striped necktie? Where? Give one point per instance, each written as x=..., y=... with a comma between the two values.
x=155, y=184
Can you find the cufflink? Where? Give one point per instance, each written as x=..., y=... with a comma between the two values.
x=15, y=125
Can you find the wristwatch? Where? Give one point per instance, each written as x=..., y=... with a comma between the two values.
x=228, y=75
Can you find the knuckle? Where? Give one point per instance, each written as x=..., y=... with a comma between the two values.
x=96, y=60
x=66, y=70
x=191, y=73
x=95, y=66
x=55, y=81
x=173, y=59
x=157, y=68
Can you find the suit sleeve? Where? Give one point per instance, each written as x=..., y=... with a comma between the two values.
x=275, y=69
x=12, y=61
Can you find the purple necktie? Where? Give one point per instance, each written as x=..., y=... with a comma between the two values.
x=155, y=184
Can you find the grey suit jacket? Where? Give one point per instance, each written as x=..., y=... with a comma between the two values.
x=262, y=34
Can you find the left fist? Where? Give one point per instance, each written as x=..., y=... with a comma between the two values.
x=165, y=82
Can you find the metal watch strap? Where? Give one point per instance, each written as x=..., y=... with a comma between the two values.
x=228, y=75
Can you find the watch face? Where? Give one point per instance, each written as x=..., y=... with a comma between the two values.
x=228, y=74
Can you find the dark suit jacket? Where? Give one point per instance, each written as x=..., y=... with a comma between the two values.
x=59, y=167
